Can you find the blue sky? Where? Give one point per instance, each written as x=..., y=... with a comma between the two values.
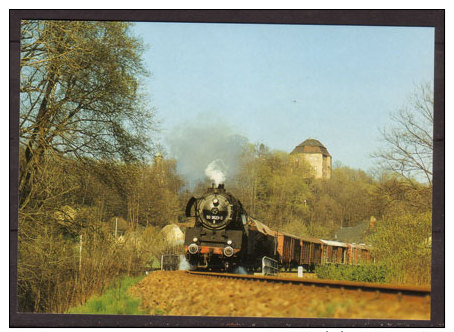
x=281, y=84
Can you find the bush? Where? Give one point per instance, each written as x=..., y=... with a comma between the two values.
x=365, y=273
x=57, y=271
x=402, y=241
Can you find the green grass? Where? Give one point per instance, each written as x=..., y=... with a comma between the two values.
x=114, y=301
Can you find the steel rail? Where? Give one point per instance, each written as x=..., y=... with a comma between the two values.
x=374, y=287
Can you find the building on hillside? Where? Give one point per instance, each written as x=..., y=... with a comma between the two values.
x=316, y=154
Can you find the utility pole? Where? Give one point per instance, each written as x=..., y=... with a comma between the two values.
x=116, y=226
x=80, y=253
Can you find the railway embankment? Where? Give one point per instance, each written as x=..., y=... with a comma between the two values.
x=179, y=293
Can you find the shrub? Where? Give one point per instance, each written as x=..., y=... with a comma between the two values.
x=402, y=241
x=365, y=273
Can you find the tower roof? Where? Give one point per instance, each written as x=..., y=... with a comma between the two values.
x=311, y=146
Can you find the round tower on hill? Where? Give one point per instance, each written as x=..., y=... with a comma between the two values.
x=317, y=155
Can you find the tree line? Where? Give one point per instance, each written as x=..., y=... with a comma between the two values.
x=92, y=200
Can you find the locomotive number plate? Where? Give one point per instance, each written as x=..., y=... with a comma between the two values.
x=214, y=218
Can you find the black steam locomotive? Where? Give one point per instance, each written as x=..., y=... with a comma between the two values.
x=222, y=237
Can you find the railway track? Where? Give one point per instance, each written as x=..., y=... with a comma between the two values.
x=419, y=291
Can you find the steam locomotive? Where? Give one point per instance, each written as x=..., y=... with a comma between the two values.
x=224, y=238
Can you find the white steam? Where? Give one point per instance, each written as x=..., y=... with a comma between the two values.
x=184, y=264
x=239, y=270
x=216, y=171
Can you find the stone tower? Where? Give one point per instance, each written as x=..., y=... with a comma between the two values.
x=317, y=155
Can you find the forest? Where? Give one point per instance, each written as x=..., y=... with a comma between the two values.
x=95, y=190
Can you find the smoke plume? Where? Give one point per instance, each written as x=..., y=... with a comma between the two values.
x=206, y=148
x=216, y=171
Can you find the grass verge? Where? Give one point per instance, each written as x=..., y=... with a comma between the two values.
x=114, y=301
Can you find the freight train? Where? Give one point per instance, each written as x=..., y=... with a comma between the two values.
x=224, y=238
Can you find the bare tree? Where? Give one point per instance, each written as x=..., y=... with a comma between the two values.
x=408, y=147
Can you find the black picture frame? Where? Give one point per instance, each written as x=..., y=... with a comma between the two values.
x=425, y=18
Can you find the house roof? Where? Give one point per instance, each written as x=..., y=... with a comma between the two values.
x=311, y=146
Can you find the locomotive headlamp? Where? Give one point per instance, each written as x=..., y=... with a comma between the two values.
x=228, y=251
x=229, y=242
x=193, y=248
x=195, y=239
x=215, y=201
